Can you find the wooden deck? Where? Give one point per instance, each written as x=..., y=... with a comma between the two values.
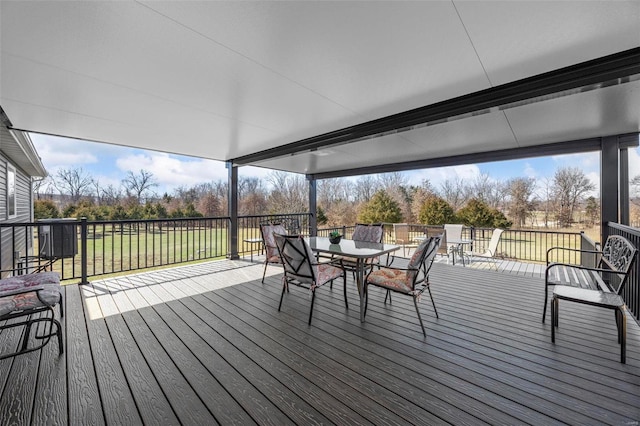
x=514, y=267
x=205, y=344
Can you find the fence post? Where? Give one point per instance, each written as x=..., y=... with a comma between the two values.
x=83, y=250
x=473, y=237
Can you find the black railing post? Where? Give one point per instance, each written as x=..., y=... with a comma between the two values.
x=83, y=250
x=473, y=236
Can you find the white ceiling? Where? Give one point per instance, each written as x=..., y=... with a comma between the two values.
x=221, y=80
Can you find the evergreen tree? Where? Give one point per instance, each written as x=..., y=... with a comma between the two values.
x=45, y=209
x=436, y=211
x=478, y=213
x=381, y=208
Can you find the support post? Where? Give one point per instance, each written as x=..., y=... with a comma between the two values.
x=232, y=235
x=624, y=186
x=83, y=251
x=313, y=206
x=609, y=178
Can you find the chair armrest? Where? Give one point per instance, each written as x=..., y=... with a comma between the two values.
x=586, y=268
x=570, y=249
x=395, y=268
x=15, y=291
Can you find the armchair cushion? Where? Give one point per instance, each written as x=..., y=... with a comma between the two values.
x=390, y=278
x=46, y=286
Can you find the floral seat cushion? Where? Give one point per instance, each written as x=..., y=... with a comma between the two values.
x=390, y=278
x=48, y=296
x=326, y=273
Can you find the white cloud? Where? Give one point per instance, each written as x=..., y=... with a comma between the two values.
x=634, y=162
x=171, y=172
x=594, y=177
x=57, y=153
x=587, y=161
x=529, y=171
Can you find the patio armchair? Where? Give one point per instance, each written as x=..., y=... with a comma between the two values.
x=491, y=250
x=27, y=300
x=270, y=249
x=370, y=233
x=402, y=237
x=432, y=231
x=301, y=268
x=412, y=280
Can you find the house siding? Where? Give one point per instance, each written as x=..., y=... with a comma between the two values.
x=19, y=239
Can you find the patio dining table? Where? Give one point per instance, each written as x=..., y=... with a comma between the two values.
x=457, y=248
x=359, y=250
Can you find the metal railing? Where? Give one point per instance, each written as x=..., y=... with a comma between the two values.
x=249, y=229
x=631, y=291
x=521, y=245
x=79, y=249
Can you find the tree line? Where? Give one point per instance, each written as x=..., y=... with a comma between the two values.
x=554, y=202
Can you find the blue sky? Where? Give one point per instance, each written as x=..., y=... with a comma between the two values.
x=110, y=163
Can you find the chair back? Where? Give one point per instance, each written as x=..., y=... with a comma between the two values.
x=440, y=232
x=401, y=232
x=618, y=255
x=495, y=239
x=369, y=233
x=267, y=230
x=296, y=258
x=422, y=260
x=453, y=231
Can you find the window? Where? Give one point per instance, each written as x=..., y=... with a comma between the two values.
x=11, y=191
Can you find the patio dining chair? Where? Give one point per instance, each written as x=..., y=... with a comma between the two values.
x=454, y=233
x=401, y=237
x=492, y=249
x=370, y=233
x=270, y=249
x=301, y=268
x=412, y=280
x=433, y=231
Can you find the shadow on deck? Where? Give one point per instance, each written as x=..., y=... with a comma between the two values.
x=205, y=344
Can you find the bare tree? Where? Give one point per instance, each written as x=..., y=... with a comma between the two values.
x=635, y=190
x=365, y=187
x=42, y=186
x=96, y=187
x=569, y=186
x=420, y=196
x=74, y=182
x=488, y=190
x=455, y=192
x=137, y=185
x=520, y=192
x=331, y=191
x=252, y=196
x=289, y=193
x=111, y=195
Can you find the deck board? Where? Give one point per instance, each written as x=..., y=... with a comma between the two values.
x=205, y=344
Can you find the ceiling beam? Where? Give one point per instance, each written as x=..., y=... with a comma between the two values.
x=607, y=70
x=571, y=147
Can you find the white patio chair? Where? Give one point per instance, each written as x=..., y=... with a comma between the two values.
x=490, y=253
x=453, y=233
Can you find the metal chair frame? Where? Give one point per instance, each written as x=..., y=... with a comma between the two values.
x=300, y=269
x=420, y=282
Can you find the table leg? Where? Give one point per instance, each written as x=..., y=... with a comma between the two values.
x=360, y=283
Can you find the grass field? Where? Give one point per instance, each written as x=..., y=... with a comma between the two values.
x=115, y=250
